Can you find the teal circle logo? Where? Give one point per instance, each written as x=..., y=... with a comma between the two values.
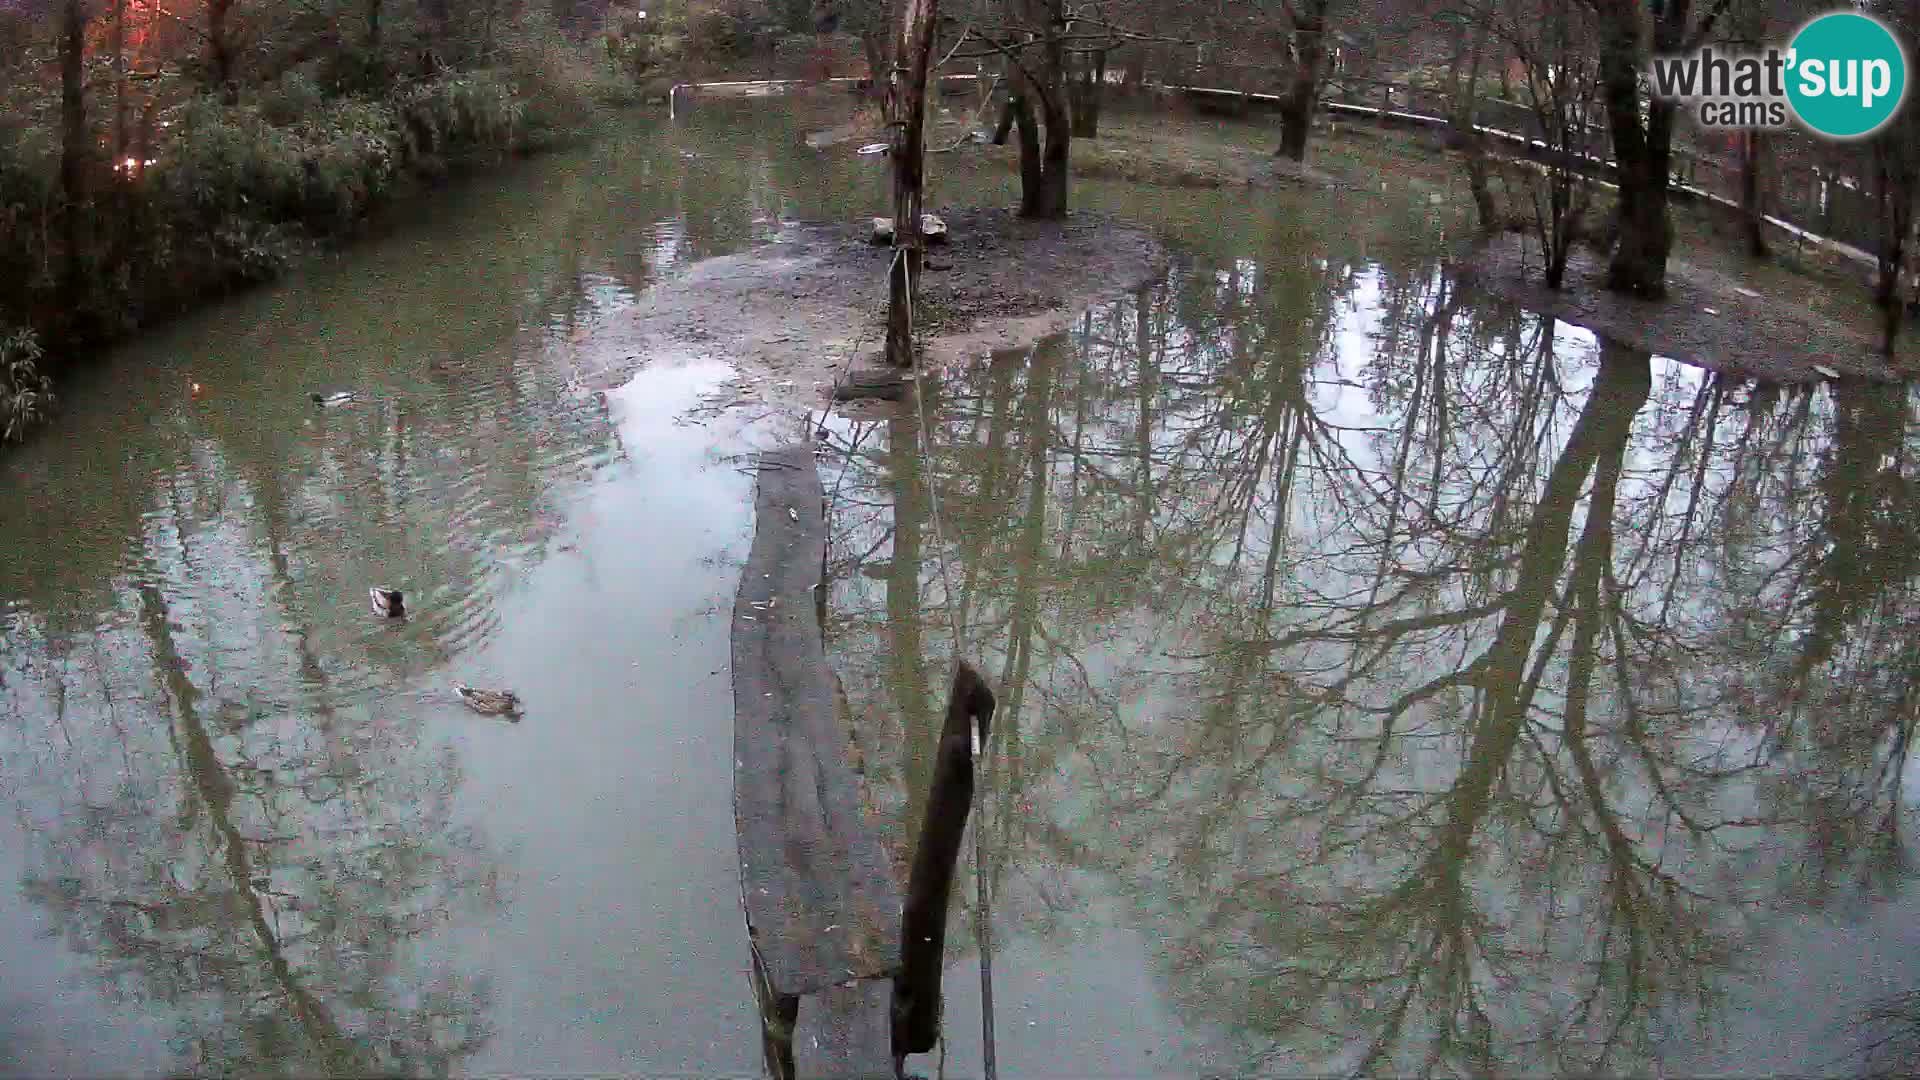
x=1846, y=75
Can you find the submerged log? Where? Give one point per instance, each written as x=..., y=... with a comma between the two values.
x=838, y=1031
x=923, y=923
x=820, y=902
x=883, y=384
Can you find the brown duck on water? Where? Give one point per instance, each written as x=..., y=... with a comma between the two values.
x=923, y=923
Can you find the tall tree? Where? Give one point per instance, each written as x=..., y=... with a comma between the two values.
x=1896, y=186
x=907, y=104
x=1309, y=53
x=1643, y=130
x=1040, y=81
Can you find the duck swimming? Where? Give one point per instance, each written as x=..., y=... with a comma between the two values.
x=388, y=602
x=338, y=397
x=490, y=702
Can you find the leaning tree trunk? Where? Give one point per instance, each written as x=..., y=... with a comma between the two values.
x=1005, y=124
x=1642, y=152
x=1296, y=114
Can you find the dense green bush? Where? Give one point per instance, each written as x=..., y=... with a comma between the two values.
x=459, y=112
x=26, y=394
x=323, y=123
x=351, y=153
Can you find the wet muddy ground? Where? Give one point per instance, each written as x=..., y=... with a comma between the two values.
x=795, y=313
x=1708, y=318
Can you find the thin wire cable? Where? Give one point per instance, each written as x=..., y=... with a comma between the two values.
x=982, y=925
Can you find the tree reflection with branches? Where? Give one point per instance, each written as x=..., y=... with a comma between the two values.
x=1418, y=691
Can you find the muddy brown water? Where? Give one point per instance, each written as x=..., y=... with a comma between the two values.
x=1390, y=680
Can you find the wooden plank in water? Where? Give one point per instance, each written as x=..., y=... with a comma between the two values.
x=821, y=904
x=842, y=1033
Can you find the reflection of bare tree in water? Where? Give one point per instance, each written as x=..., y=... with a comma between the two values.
x=1379, y=888
x=257, y=875
x=1831, y=635
x=1453, y=769
x=1885, y=1038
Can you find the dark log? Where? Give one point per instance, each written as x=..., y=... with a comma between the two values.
x=923, y=923
x=820, y=899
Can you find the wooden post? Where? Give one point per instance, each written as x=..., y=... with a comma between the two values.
x=923, y=920
x=907, y=98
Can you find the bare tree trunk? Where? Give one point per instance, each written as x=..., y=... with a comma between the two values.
x=1032, y=177
x=434, y=17
x=1752, y=146
x=1089, y=84
x=1054, y=162
x=873, y=44
x=907, y=98
x=1296, y=115
x=1049, y=200
x=1135, y=68
x=1894, y=188
x=119, y=81
x=74, y=143
x=1466, y=133
x=1642, y=150
x=220, y=50
x=373, y=30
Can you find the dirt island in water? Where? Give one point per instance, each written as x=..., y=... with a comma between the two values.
x=791, y=315
x=1707, y=318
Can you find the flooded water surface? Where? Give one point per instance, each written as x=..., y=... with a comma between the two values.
x=1391, y=680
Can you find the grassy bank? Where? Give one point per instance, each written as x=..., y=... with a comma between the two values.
x=224, y=189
